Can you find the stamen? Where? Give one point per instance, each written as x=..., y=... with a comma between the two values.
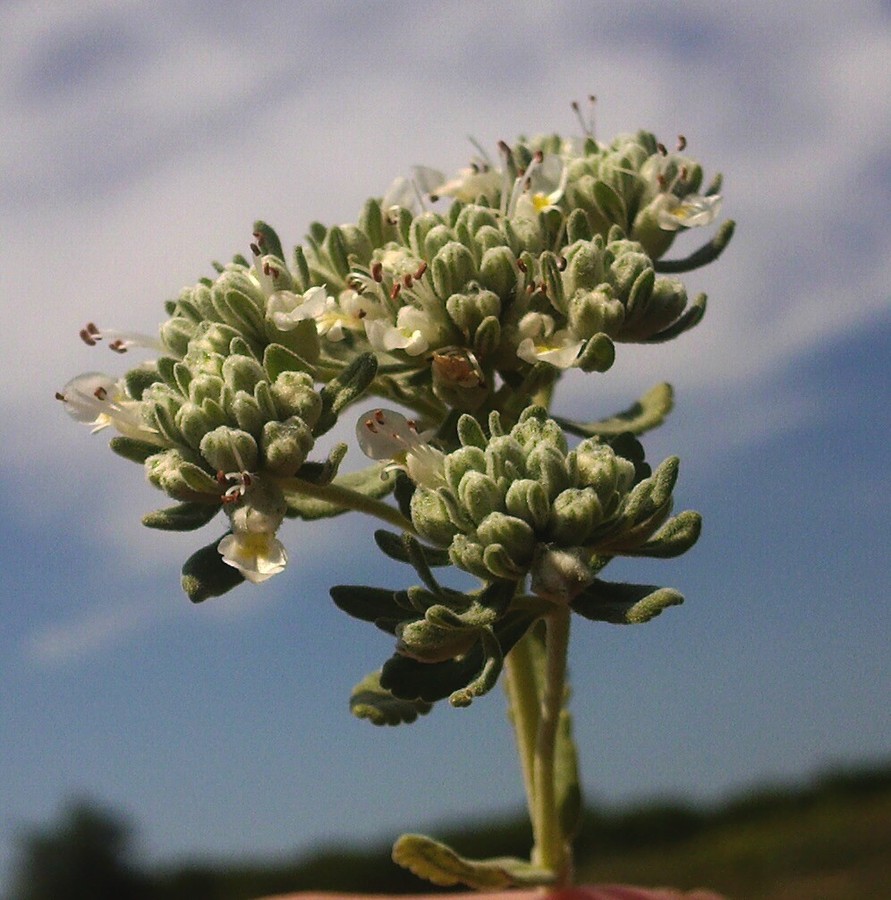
x=255, y=249
x=377, y=270
x=661, y=148
x=682, y=143
x=90, y=334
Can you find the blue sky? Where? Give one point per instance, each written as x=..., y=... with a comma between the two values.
x=140, y=143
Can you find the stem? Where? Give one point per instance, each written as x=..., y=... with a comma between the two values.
x=524, y=710
x=346, y=498
x=551, y=850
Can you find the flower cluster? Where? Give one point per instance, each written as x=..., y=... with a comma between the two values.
x=544, y=260
x=521, y=503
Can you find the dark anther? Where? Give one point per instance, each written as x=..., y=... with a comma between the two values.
x=255, y=249
x=661, y=149
x=682, y=143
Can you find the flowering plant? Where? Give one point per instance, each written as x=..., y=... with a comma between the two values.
x=463, y=301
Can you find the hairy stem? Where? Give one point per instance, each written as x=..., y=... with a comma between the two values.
x=346, y=498
x=551, y=847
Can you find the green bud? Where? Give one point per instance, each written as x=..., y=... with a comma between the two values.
x=575, y=512
x=600, y=469
x=465, y=459
x=546, y=464
x=247, y=412
x=479, y=495
x=498, y=272
x=505, y=458
x=176, y=334
x=595, y=311
x=436, y=235
x=515, y=535
x=230, y=450
x=294, y=395
x=527, y=500
x=452, y=269
x=430, y=516
x=178, y=477
x=285, y=445
x=468, y=555
x=468, y=310
x=192, y=422
x=242, y=373
x=429, y=643
x=203, y=386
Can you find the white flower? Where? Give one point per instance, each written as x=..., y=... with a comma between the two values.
x=101, y=401
x=258, y=555
x=412, y=333
x=691, y=211
x=539, y=188
x=541, y=343
x=387, y=434
x=287, y=309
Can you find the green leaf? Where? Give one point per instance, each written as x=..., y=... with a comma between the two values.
x=325, y=472
x=394, y=546
x=370, y=701
x=470, y=676
x=182, y=517
x=344, y=389
x=267, y=240
x=675, y=537
x=705, y=254
x=380, y=606
x=692, y=316
x=624, y=604
x=278, y=359
x=206, y=575
x=135, y=450
x=598, y=354
x=566, y=777
x=610, y=204
x=441, y=865
x=647, y=413
x=366, y=481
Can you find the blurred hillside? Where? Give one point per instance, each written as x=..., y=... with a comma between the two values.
x=827, y=840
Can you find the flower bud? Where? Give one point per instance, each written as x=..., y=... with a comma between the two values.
x=515, y=535
x=285, y=445
x=479, y=495
x=430, y=516
x=592, y=312
x=527, y=500
x=294, y=395
x=575, y=512
x=242, y=373
x=452, y=268
x=178, y=477
x=560, y=575
x=498, y=271
x=547, y=465
x=229, y=450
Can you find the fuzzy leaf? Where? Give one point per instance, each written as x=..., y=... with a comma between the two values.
x=441, y=865
x=366, y=481
x=675, y=537
x=395, y=546
x=182, y=517
x=267, y=240
x=379, y=606
x=344, y=389
x=703, y=256
x=206, y=575
x=690, y=317
x=135, y=450
x=647, y=413
x=624, y=604
x=370, y=701
x=278, y=359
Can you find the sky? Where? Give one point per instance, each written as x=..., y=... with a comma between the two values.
x=140, y=142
